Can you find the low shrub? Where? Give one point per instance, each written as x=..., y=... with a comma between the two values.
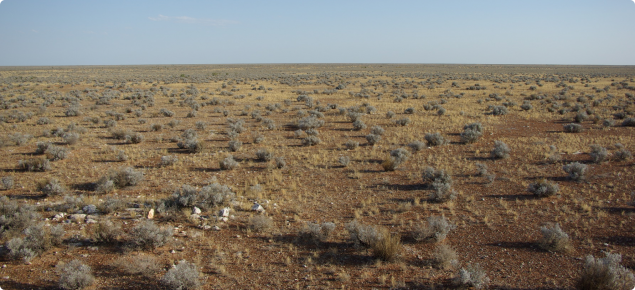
x=500, y=151
x=260, y=223
x=234, y=145
x=576, y=171
x=605, y=274
x=7, y=182
x=373, y=139
x=34, y=164
x=55, y=153
x=107, y=232
x=50, y=187
x=144, y=265
x=168, y=160
x=598, y=154
x=311, y=141
x=471, y=276
x=184, y=276
x=377, y=130
x=317, y=232
x=628, y=122
x=554, y=239
x=573, y=128
x=388, y=247
x=264, y=155
x=280, y=162
x=120, y=178
x=351, y=145
x=416, y=146
x=402, y=121
x=543, y=188
x=75, y=275
x=228, y=163
x=396, y=158
x=36, y=240
x=445, y=257
x=362, y=235
x=359, y=125
x=148, y=235
x=344, y=161
x=435, y=230
x=435, y=139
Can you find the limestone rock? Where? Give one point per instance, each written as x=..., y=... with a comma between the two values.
x=151, y=214
x=224, y=212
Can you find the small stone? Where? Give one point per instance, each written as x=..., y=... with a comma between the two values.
x=224, y=212
x=151, y=214
x=90, y=221
x=59, y=216
x=207, y=227
x=78, y=218
x=195, y=216
x=216, y=228
x=196, y=210
x=257, y=207
x=172, y=251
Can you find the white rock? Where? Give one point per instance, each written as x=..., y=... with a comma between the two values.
x=216, y=228
x=78, y=218
x=207, y=227
x=195, y=216
x=90, y=221
x=60, y=216
x=151, y=214
x=196, y=210
x=224, y=212
x=257, y=207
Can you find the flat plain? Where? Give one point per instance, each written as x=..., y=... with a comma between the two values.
x=319, y=194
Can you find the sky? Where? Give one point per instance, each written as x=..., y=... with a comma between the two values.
x=113, y=32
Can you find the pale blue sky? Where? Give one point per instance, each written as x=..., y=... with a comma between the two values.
x=88, y=32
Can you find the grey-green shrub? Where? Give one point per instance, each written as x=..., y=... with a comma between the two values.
x=234, y=145
x=576, y=171
x=435, y=230
x=554, y=239
x=228, y=163
x=148, y=235
x=264, y=155
x=184, y=276
x=7, y=182
x=311, y=141
x=598, y=154
x=75, y=275
x=500, y=151
x=317, y=232
x=605, y=274
x=573, y=128
x=543, y=188
x=473, y=275
x=50, y=187
x=34, y=164
x=435, y=139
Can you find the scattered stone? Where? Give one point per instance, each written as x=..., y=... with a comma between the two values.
x=195, y=216
x=196, y=211
x=90, y=209
x=60, y=216
x=216, y=228
x=151, y=214
x=257, y=207
x=172, y=251
x=224, y=212
x=207, y=227
x=90, y=221
x=78, y=218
